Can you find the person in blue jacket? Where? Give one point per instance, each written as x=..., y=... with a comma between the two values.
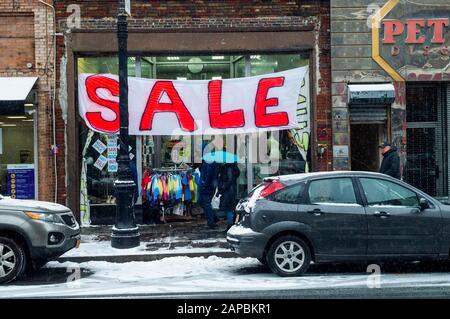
x=207, y=188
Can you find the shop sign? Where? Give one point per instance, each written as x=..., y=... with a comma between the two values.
x=411, y=40
x=183, y=107
x=21, y=184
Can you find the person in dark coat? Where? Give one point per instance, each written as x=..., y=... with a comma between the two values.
x=207, y=188
x=227, y=188
x=391, y=161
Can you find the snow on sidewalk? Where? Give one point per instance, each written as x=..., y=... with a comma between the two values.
x=92, y=248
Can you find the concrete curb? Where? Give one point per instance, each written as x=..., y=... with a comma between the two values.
x=146, y=257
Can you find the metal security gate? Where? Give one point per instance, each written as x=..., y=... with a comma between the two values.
x=368, y=114
x=426, y=146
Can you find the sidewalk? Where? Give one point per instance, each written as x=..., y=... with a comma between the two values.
x=187, y=238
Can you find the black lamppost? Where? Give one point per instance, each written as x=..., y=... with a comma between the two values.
x=125, y=233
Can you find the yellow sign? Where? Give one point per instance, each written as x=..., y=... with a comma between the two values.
x=376, y=23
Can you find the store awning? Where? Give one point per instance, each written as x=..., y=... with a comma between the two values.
x=14, y=92
x=374, y=94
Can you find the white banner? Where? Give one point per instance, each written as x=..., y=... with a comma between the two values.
x=189, y=107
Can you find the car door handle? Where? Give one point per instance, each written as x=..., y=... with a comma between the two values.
x=381, y=214
x=316, y=212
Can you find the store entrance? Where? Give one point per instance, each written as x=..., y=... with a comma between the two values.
x=365, y=139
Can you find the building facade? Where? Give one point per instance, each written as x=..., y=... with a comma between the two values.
x=192, y=40
x=27, y=130
x=391, y=81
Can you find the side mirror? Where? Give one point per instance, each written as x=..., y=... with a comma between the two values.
x=423, y=203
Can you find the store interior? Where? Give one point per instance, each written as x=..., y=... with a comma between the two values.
x=180, y=155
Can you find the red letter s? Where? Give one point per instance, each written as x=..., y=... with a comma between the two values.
x=95, y=119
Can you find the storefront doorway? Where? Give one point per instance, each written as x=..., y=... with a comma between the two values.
x=365, y=139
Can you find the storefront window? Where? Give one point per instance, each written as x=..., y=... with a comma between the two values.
x=266, y=154
x=286, y=151
x=17, y=169
x=99, y=152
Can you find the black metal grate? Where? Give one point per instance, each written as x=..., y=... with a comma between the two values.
x=421, y=104
x=421, y=168
x=68, y=220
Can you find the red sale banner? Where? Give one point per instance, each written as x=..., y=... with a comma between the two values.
x=188, y=107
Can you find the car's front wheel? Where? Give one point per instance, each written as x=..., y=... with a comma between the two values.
x=289, y=256
x=12, y=260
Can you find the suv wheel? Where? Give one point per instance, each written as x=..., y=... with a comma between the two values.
x=12, y=260
x=289, y=256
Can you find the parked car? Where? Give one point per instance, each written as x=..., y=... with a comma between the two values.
x=32, y=233
x=289, y=221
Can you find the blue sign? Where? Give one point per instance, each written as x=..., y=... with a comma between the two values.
x=21, y=181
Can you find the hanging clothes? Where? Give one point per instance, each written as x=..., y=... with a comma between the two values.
x=144, y=184
x=186, y=187
x=168, y=189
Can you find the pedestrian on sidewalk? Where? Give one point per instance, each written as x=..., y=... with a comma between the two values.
x=227, y=188
x=208, y=184
x=391, y=161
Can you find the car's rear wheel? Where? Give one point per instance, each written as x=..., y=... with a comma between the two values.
x=289, y=256
x=12, y=260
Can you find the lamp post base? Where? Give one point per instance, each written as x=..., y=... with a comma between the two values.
x=125, y=238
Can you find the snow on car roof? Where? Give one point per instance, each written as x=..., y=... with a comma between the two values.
x=318, y=174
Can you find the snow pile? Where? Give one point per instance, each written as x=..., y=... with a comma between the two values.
x=103, y=248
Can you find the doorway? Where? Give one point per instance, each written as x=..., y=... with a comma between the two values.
x=365, y=139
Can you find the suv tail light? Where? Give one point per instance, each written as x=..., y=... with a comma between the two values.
x=271, y=187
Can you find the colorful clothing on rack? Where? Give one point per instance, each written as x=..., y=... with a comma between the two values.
x=170, y=188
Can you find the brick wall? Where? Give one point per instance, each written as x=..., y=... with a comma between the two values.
x=16, y=41
x=26, y=36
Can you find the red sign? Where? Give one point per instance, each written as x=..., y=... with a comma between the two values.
x=414, y=30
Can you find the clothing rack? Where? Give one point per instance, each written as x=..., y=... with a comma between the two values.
x=169, y=170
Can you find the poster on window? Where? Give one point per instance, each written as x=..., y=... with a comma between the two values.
x=21, y=184
x=183, y=107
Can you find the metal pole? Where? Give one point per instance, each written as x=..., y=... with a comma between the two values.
x=125, y=233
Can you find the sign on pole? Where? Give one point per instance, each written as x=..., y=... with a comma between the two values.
x=128, y=7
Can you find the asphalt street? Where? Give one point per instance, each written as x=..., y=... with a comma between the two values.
x=436, y=289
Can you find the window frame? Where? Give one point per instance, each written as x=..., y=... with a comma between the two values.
x=366, y=202
x=356, y=191
x=300, y=197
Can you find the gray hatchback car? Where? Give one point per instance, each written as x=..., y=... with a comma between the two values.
x=32, y=233
x=289, y=221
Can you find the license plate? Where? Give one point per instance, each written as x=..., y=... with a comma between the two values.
x=77, y=244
